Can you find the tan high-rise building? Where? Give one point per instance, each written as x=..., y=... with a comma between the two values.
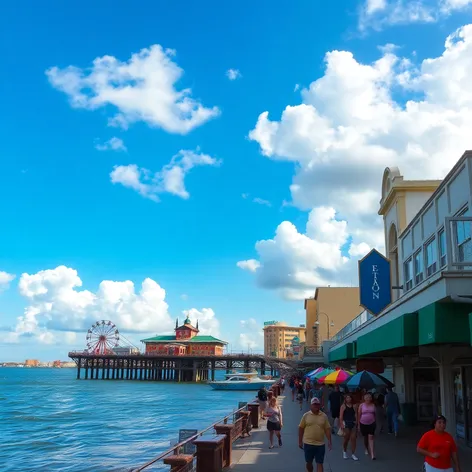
x=311, y=317
x=278, y=337
x=329, y=311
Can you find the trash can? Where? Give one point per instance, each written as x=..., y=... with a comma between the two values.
x=409, y=413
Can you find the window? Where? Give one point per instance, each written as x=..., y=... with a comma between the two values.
x=463, y=231
x=418, y=267
x=431, y=255
x=464, y=241
x=408, y=274
x=442, y=248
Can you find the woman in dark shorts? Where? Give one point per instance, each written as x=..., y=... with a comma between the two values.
x=348, y=421
x=366, y=416
x=274, y=422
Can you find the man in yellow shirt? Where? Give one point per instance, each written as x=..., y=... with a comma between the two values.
x=313, y=428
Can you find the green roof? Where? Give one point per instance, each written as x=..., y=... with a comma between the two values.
x=160, y=339
x=195, y=339
x=207, y=339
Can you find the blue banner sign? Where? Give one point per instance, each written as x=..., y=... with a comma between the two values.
x=375, y=282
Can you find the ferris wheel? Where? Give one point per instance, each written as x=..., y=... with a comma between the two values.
x=102, y=337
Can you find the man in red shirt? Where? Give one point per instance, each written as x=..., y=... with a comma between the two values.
x=439, y=448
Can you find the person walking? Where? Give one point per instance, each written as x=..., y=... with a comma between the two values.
x=348, y=421
x=282, y=385
x=307, y=389
x=392, y=407
x=300, y=394
x=262, y=400
x=335, y=402
x=366, y=423
x=379, y=401
x=274, y=422
x=439, y=448
x=313, y=428
x=292, y=387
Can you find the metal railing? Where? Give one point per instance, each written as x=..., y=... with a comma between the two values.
x=236, y=419
x=358, y=321
x=155, y=354
x=312, y=351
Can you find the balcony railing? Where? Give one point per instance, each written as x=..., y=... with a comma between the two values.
x=312, y=351
x=359, y=320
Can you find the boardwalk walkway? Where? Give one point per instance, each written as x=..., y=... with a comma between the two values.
x=393, y=455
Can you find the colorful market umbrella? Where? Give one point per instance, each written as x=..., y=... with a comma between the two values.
x=387, y=382
x=338, y=377
x=314, y=372
x=367, y=380
x=319, y=377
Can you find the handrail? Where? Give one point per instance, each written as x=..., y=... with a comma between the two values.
x=149, y=354
x=359, y=320
x=175, y=449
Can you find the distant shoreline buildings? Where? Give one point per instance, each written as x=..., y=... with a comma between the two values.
x=34, y=363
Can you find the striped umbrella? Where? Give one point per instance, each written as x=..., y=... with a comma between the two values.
x=367, y=380
x=338, y=377
x=319, y=377
x=314, y=372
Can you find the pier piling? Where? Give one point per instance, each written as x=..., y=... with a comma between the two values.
x=183, y=368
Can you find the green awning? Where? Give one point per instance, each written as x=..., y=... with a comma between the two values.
x=444, y=323
x=398, y=333
x=342, y=353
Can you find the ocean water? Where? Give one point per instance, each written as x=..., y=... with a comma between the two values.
x=49, y=421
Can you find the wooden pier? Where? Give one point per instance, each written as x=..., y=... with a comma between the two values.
x=171, y=368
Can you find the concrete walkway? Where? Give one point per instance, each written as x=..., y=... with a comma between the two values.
x=393, y=454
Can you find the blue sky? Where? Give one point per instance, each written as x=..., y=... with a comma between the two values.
x=60, y=207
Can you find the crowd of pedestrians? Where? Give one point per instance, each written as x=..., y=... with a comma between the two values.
x=351, y=414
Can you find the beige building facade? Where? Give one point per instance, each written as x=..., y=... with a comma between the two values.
x=424, y=337
x=311, y=317
x=329, y=311
x=278, y=337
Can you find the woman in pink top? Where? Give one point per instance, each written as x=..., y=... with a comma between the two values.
x=366, y=423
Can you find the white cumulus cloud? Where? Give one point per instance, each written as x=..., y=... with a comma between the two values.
x=5, y=279
x=377, y=14
x=233, y=74
x=143, y=88
x=372, y=6
x=113, y=144
x=57, y=306
x=207, y=321
x=295, y=263
x=348, y=128
x=170, y=179
x=251, y=335
x=251, y=265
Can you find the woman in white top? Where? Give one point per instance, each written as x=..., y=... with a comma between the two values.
x=274, y=421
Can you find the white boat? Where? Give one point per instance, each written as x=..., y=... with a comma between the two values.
x=243, y=381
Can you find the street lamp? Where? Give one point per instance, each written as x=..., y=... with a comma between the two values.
x=330, y=323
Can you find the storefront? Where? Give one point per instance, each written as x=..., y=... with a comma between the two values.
x=463, y=402
x=427, y=393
